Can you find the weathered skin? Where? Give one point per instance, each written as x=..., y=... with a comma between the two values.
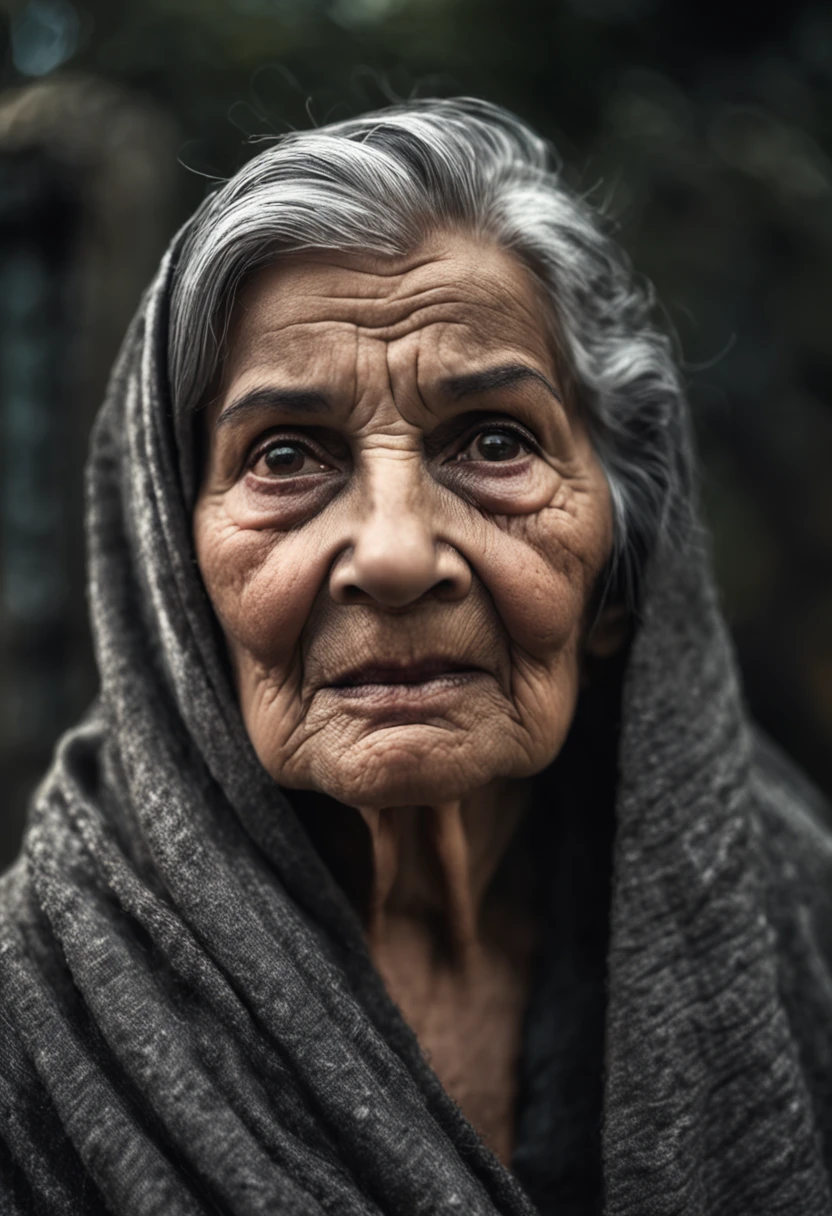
x=378, y=534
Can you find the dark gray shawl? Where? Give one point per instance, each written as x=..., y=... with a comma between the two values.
x=189, y=1019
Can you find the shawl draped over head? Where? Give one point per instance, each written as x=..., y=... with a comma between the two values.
x=190, y=1021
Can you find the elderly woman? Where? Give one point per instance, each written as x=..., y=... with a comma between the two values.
x=418, y=855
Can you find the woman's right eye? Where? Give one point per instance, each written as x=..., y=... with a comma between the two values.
x=284, y=458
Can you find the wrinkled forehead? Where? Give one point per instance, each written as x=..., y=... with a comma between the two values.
x=450, y=308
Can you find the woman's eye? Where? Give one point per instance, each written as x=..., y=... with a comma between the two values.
x=494, y=445
x=285, y=459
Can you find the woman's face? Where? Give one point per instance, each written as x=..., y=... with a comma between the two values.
x=400, y=523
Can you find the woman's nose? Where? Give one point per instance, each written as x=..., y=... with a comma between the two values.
x=397, y=556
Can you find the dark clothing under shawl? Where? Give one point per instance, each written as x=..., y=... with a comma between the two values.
x=190, y=1021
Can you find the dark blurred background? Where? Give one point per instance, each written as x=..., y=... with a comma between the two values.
x=707, y=137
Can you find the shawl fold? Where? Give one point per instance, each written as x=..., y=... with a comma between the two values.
x=189, y=1018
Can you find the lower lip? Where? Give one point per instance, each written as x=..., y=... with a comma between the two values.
x=413, y=697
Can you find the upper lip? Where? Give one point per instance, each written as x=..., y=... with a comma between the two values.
x=402, y=673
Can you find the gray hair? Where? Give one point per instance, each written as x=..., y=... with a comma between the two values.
x=381, y=183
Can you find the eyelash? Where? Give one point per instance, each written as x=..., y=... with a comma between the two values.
x=509, y=428
x=482, y=428
x=272, y=440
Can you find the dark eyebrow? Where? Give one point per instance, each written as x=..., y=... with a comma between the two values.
x=301, y=401
x=495, y=377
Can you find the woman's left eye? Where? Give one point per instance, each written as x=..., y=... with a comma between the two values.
x=495, y=445
x=284, y=458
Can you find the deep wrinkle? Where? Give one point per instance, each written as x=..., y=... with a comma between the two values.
x=311, y=400
x=401, y=556
x=301, y=401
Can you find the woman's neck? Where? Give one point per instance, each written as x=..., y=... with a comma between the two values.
x=434, y=864
x=453, y=948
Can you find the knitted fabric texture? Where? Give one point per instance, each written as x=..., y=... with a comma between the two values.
x=190, y=1021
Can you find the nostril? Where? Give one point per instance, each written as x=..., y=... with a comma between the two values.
x=397, y=574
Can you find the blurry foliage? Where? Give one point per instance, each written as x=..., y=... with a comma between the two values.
x=706, y=140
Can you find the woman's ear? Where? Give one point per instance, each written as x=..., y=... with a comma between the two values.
x=609, y=632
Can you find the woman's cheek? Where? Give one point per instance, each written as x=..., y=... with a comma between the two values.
x=546, y=565
x=545, y=695
x=541, y=608
x=262, y=583
x=538, y=544
x=538, y=595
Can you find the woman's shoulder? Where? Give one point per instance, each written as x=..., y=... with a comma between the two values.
x=40, y=1170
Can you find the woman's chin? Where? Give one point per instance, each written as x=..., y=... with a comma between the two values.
x=411, y=765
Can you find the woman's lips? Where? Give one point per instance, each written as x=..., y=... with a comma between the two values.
x=425, y=671
x=406, y=689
